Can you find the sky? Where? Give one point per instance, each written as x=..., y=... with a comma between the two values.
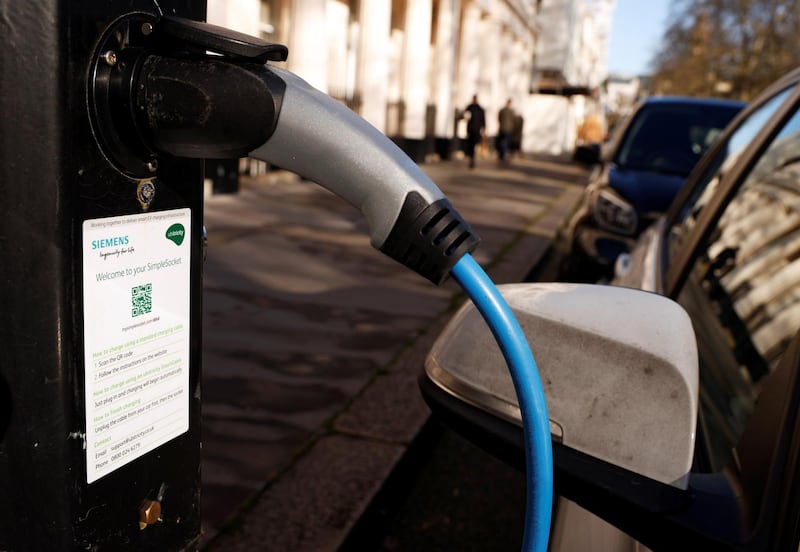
x=635, y=34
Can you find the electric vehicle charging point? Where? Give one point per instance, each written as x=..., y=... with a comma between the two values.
x=156, y=185
x=101, y=294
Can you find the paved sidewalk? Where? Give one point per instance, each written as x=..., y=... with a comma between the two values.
x=313, y=342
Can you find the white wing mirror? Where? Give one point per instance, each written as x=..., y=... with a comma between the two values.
x=619, y=369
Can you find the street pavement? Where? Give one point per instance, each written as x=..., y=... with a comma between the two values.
x=313, y=342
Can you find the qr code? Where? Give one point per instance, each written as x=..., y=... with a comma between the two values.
x=142, y=299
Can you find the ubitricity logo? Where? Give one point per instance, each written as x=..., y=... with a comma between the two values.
x=176, y=233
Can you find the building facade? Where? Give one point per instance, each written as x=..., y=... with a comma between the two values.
x=410, y=67
x=570, y=68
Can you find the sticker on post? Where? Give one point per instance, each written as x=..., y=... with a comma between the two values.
x=136, y=305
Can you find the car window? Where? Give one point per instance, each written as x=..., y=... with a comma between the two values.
x=706, y=185
x=671, y=137
x=743, y=290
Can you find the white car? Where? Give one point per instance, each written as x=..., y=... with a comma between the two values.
x=705, y=454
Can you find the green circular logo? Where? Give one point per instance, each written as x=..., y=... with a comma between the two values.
x=176, y=233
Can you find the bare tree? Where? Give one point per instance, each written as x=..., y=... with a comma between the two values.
x=730, y=48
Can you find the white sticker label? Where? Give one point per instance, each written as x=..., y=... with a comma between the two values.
x=136, y=305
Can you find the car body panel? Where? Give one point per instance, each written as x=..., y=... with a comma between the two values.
x=647, y=191
x=742, y=206
x=642, y=265
x=727, y=251
x=645, y=165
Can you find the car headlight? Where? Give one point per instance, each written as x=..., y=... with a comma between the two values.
x=614, y=213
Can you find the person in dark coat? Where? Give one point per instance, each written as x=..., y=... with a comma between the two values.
x=505, y=120
x=476, y=126
x=516, y=136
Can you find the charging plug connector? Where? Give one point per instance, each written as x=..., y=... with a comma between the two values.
x=171, y=97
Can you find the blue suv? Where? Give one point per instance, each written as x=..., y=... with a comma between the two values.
x=636, y=177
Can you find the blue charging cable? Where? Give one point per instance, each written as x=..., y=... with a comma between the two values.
x=530, y=394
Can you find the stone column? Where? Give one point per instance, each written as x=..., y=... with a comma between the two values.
x=523, y=54
x=416, y=64
x=308, y=42
x=444, y=85
x=506, y=61
x=489, y=71
x=240, y=15
x=470, y=45
x=375, y=17
x=336, y=54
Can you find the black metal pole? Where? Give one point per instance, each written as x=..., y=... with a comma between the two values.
x=72, y=471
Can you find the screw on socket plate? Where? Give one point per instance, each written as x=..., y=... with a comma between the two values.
x=147, y=28
x=149, y=513
x=110, y=57
x=145, y=192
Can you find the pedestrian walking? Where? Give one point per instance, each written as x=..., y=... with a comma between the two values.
x=476, y=126
x=506, y=119
x=516, y=136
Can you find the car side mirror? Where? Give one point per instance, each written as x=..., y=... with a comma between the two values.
x=619, y=369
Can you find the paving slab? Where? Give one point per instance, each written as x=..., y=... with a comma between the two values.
x=313, y=342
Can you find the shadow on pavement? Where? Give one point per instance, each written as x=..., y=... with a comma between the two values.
x=448, y=495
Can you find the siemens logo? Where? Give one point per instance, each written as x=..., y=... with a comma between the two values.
x=110, y=242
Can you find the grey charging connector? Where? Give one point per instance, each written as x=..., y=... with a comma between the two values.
x=174, y=98
x=408, y=215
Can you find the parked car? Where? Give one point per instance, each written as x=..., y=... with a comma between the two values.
x=591, y=135
x=638, y=175
x=727, y=255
